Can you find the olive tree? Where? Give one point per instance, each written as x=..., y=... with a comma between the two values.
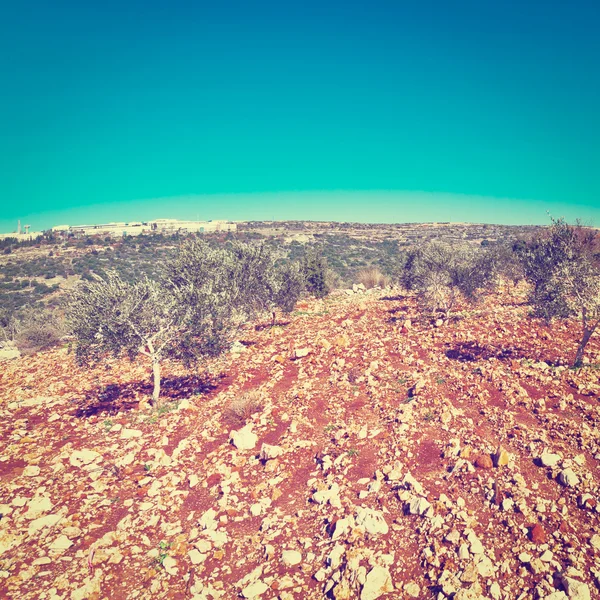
x=262, y=285
x=441, y=273
x=563, y=267
x=314, y=270
x=110, y=315
x=192, y=310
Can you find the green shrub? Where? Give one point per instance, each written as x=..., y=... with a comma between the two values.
x=313, y=268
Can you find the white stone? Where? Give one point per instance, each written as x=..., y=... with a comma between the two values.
x=341, y=528
x=62, y=542
x=525, y=557
x=255, y=589
x=9, y=352
x=79, y=458
x=549, y=459
x=453, y=537
x=193, y=480
x=577, y=590
x=412, y=589
x=128, y=434
x=302, y=352
x=268, y=452
x=170, y=565
x=291, y=558
x=244, y=438
x=38, y=506
x=31, y=471
x=568, y=478
x=371, y=520
x=418, y=506
x=495, y=591
x=378, y=583
x=334, y=558
x=41, y=522
x=196, y=557
x=411, y=483
x=207, y=520
x=485, y=567
x=476, y=545
x=330, y=496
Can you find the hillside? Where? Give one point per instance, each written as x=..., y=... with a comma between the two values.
x=38, y=274
x=380, y=456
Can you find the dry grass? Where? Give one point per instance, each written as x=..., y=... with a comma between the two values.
x=373, y=277
x=241, y=409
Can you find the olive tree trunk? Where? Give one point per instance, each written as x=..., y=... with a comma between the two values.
x=156, y=378
x=587, y=334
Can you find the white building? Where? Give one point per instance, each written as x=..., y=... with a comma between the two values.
x=134, y=228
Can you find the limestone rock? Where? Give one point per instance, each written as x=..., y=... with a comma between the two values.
x=9, y=351
x=170, y=565
x=501, y=457
x=38, y=506
x=418, y=506
x=568, y=478
x=42, y=522
x=196, y=557
x=577, y=590
x=128, y=434
x=268, y=452
x=549, y=459
x=378, y=583
x=372, y=521
x=31, y=471
x=244, y=438
x=255, y=589
x=62, y=542
x=412, y=589
x=291, y=558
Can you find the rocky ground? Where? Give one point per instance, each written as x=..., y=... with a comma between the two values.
x=358, y=451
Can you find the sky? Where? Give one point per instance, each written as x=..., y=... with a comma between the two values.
x=379, y=111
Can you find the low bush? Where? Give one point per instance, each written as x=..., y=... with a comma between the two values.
x=241, y=409
x=373, y=277
x=36, y=330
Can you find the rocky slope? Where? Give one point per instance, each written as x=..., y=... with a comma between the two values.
x=358, y=451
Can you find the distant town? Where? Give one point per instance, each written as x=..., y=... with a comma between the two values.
x=133, y=228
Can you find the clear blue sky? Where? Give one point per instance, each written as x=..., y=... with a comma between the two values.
x=491, y=108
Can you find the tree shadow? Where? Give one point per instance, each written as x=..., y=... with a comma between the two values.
x=263, y=326
x=397, y=298
x=121, y=397
x=472, y=351
x=397, y=309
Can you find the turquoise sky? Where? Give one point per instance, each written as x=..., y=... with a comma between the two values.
x=371, y=111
